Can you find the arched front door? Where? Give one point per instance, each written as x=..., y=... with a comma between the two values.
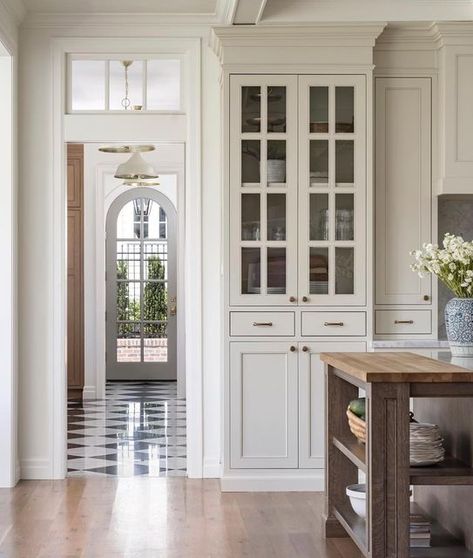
x=141, y=287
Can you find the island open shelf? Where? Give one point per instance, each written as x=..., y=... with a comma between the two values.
x=388, y=380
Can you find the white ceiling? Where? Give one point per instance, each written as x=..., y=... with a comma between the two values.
x=165, y=7
x=310, y=11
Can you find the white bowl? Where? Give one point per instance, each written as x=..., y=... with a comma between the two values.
x=357, y=495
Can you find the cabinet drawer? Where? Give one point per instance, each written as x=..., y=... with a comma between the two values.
x=403, y=321
x=261, y=324
x=333, y=323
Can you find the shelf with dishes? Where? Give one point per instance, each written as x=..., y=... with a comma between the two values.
x=370, y=444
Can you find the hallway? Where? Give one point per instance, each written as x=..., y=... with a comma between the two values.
x=160, y=518
x=138, y=430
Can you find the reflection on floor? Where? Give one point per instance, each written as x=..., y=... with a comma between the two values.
x=139, y=429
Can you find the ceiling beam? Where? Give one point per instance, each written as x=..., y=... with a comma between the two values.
x=249, y=12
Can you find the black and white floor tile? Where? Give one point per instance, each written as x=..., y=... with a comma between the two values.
x=138, y=429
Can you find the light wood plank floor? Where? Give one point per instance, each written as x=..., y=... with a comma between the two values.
x=156, y=517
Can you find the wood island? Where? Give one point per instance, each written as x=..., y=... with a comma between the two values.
x=388, y=380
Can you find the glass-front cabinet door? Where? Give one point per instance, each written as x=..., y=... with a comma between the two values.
x=263, y=190
x=332, y=190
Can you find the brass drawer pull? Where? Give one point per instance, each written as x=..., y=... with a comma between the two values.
x=339, y=324
x=403, y=321
x=256, y=324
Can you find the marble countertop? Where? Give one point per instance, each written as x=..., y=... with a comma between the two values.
x=409, y=343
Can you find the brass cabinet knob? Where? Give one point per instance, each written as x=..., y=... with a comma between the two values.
x=292, y=348
x=305, y=299
x=292, y=299
x=305, y=349
x=426, y=297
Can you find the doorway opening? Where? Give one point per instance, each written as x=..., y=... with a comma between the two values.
x=127, y=406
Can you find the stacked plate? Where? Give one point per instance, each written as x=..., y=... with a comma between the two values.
x=426, y=444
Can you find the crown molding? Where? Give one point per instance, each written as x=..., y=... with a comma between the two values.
x=16, y=10
x=409, y=36
x=299, y=42
x=454, y=33
x=127, y=20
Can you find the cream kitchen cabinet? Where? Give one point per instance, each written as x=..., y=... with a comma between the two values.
x=403, y=188
x=312, y=397
x=263, y=405
x=277, y=403
x=297, y=190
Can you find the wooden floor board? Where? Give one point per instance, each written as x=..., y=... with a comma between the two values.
x=160, y=518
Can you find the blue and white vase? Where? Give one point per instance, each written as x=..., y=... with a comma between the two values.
x=459, y=325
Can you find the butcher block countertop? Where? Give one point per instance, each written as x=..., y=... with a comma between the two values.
x=396, y=367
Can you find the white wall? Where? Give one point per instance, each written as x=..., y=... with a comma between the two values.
x=8, y=249
x=100, y=190
x=36, y=237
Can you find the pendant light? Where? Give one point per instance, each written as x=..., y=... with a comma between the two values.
x=136, y=168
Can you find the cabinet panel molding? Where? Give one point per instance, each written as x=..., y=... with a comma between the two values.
x=403, y=187
x=312, y=399
x=263, y=405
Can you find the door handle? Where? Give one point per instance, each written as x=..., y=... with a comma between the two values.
x=172, y=310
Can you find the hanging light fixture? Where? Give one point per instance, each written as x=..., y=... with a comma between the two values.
x=136, y=169
x=126, y=100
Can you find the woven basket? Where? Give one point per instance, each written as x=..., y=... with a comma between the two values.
x=357, y=426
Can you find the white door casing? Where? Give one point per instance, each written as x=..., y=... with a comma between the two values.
x=138, y=248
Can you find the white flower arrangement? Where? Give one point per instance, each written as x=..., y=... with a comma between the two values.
x=453, y=264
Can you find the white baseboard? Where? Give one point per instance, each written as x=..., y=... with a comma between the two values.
x=273, y=481
x=31, y=469
x=212, y=468
x=89, y=392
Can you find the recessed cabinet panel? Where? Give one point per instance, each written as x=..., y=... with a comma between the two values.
x=262, y=324
x=330, y=324
x=400, y=322
x=264, y=405
x=312, y=399
x=403, y=187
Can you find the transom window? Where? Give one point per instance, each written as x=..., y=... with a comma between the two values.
x=128, y=84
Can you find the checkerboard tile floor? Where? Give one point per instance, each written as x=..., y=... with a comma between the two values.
x=138, y=429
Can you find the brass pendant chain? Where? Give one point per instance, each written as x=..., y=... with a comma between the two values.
x=126, y=100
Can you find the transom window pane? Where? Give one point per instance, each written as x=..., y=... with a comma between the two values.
x=101, y=85
x=88, y=84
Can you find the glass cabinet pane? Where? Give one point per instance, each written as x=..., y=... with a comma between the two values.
x=318, y=271
x=344, y=214
x=344, y=271
x=276, y=270
x=318, y=162
x=318, y=110
x=276, y=165
x=276, y=109
x=276, y=208
x=250, y=109
x=344, y=110
x=250, y=162
x=319, y=217
x=250, y=217
x=250, y=270
x=344, y=162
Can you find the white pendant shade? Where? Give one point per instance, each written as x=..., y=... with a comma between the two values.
x=136, y=168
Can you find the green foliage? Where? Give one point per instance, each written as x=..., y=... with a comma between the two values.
x=155, y=304
x=154, y=301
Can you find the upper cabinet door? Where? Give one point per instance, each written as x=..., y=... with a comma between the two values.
x=403, y=187
x=332, y=190
x=263, y=190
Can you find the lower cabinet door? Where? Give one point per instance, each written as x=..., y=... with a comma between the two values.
x=263, y=405
x=312, y=399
